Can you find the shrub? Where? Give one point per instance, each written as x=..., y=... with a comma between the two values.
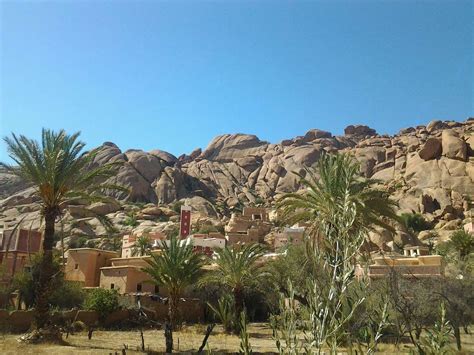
x=102, y=301
x=131, y=220
x=68, y=295
x=414, y=222
x=462, y=242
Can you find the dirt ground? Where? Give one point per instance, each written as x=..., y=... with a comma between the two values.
x=187, y=340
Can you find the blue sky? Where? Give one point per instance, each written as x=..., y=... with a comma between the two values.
x=172, y=75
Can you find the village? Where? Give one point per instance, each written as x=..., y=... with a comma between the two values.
x=122, y=270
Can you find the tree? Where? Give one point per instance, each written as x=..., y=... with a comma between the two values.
x=142, y=246
x=59, y=171
x=414, y=222
x=334, y=181
x=238, y=270
x=340, y=209
x=176, y=268
x=462, y=242
x=103, y=301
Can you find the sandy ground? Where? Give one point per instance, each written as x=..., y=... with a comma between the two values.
x=187, y=340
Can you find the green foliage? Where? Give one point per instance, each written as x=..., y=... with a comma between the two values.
x=437, y=340
x=414, y=222
x=175, y=268
x=64, y=295
x=103, y=301
x=224, y=311
x=245, y=346
x=336, y=183
x=285, y=325
x=79, y=242
x=142, y=245
x=177, y=206
x=462, y=242
x=130, y=220
x=237, y=270
x=69, y=295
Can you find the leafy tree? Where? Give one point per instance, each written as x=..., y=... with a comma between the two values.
x=414, y=222
x=59, y=171
x=103, y=301
x=176, y=268
x=142, y=245
x=237, y=269
x=462, y=242
x=335, y=183
x=64, y=295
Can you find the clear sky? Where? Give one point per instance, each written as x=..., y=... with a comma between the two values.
x=172, y=75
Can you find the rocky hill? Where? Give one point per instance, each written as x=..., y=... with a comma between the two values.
x=428, y=169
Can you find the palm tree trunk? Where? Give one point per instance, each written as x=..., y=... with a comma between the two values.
x=239, y=301
x=45, y=274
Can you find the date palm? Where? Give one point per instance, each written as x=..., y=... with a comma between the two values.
x=334, y=184
x=59, y=171
x=142, y=246
x=238, y=270
x=176, y=267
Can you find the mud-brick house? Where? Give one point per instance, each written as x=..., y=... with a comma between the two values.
x=250, y=227
x=84, y=264
x=16, y=248
x=126, y=276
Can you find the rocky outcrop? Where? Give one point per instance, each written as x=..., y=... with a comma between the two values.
x=428, y=169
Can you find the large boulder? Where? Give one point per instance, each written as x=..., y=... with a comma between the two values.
x=432, y=149
x=147, y=165
x=454, y=147
x=359, y=130
x=233, y=146
x=313, y=134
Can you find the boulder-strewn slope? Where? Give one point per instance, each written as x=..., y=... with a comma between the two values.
x=428, y=169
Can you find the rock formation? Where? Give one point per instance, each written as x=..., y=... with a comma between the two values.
x=428, y=169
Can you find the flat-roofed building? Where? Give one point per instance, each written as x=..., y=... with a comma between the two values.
x=84, y=264
x=415, y=263
x=289, y=236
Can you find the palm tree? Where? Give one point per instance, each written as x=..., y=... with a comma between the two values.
x=329, y=188
x=142, y=246
x=176, y=268
x=238, y=270
x=60, y=171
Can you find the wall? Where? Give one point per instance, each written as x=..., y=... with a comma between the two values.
x=21, y=321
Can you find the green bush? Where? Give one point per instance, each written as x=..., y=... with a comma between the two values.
x=131, y=220
x=102, y=301
x=64, y=295
x=414, y=222
x=68, y=295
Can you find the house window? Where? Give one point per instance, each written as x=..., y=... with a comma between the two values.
x=112, y=286
x=257, y=217
x=139, y=287
x=76, y=266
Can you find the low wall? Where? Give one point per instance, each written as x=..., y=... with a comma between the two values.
x=191, y=311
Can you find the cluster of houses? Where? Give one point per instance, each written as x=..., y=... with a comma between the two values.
x=122, y=270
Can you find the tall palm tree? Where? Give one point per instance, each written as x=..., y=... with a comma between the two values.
x=334, y=184
x=238, y=270
x=176, y=267
x=59, y=170
x=142, y=246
